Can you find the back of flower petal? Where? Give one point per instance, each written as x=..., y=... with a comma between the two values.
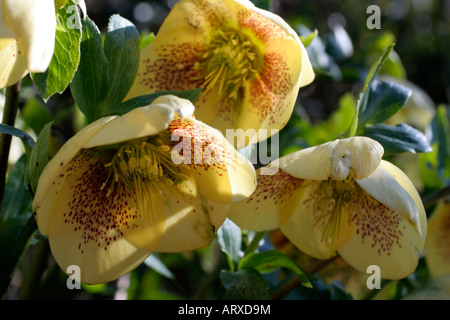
x=14, y=64
x=333, y=160
x=138, y=123
x=34, y=25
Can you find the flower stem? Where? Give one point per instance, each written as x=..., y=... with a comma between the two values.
x=39, y=264
x=295, y=282
x=431, y=199
x=9, y=117
x=255, y=242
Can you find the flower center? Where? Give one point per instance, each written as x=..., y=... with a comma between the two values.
x=334, y=198
x=230, y=61
x=143, y=167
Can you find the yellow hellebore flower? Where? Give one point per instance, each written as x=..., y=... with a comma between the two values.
x=27, y=38
x=437, y=245
x=112, y=194
x=249, y=61
x=340, y=197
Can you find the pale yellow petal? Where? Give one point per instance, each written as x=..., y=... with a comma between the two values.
x=383, y=238
x=142, y=122
x=168, y=62
x=407, y=184
x=14, y=64
x=269, y=99
x=191, y=218
x=309, y=227
x=96, y=265
x=83, y=229
x=222, y=174
x=437, y=243
x=53, y=175
x=275, y=198
x=333, y=160
x=383, y=186
x=34, y=26
x=144, y=229
x=199, y=15
x=307, y=72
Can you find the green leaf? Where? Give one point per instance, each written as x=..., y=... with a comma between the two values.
x=244, y=284
x=17, y=223
x=146, y=39
x=440, y=127
x=398, y=138
x=16, y=199
x=268, y=261
x=66, y=55
x=364, y=94
x=122, y=52
x=229, y=237
x=147, y=99
x=157, y=265
x=38, y=159
x=384, y=99
x=90, y=84
x=4, y=128
x=435, y=165
x=35, y=114
x=375, y=69
x=306, y=40
x=105, y=74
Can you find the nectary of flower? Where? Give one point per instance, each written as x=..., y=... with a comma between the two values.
x=249, y=61
x=341, y=197
x=27, y=38
x=113, y=193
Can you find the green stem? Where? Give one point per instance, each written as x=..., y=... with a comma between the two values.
x=295, y=282
x=35, y=271
x=9, y=118
x=431, y=199
x=210, y=278
x=255, y=242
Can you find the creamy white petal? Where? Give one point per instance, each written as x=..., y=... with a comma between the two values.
x=384, y=187
x=34, y=26
x=333, y=160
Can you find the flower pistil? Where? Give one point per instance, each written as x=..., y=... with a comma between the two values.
x=142, y=167
x=231, y=59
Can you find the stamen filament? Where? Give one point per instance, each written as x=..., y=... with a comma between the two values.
x=140, y=167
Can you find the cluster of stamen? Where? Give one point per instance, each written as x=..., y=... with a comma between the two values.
x=142, y=167
x=333, y=198
x=230, y=61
